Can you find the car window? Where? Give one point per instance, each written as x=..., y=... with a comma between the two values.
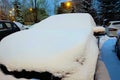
x=14, y=26
x=116, y=23
x=1, y=26
x=8, y=25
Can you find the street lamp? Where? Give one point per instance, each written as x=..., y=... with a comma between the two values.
x=13, y=9
x=66, y=7
x=31, y=9
x=10, y=12
x=68, y=4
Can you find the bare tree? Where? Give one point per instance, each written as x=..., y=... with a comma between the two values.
x=56, y=5
x=34, y=10
x=4, y=9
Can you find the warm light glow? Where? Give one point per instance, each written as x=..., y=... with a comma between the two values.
x=31, y=9
x=10, y=12
x=10, y=15
x=13, y=9
x=68, y=4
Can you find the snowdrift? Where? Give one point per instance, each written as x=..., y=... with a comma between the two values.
x=63, y=45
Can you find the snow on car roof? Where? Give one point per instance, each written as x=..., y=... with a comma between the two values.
x=59, y=50
x=66, y=21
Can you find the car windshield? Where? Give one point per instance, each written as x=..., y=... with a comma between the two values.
x=116, y=23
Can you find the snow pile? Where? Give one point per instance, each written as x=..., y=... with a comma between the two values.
x=103, y=39
x=66, y=49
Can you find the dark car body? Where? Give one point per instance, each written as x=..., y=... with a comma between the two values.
x=7, y=27
x=117, y=47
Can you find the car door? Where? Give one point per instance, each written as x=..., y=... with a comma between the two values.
x=15, y=27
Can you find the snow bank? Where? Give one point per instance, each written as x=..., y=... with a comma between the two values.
x=103, y=39
x=63, y=45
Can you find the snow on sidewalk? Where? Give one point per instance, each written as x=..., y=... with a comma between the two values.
x=110, y=59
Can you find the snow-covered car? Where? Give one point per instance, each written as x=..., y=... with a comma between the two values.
x=61, y=47
x=114, y=24
x=21, y=26
x=113, y=27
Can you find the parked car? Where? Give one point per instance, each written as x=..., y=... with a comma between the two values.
x=61, y=47
x=7, y=27
x=113, y=26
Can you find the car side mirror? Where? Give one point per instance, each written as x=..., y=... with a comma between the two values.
x=99, y=31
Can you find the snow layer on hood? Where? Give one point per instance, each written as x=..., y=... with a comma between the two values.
x=71, y=52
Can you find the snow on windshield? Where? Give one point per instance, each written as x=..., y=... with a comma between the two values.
x=63, y=50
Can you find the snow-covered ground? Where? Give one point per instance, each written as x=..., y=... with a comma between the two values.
x=103, y=39
x=109, y=57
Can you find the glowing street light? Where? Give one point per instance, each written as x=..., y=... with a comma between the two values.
x=13, y=9
x=31, y=9
x=68, y=4
x=10, y=12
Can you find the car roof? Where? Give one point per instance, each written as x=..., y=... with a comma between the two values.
x=113, y=21
x=5, y=21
